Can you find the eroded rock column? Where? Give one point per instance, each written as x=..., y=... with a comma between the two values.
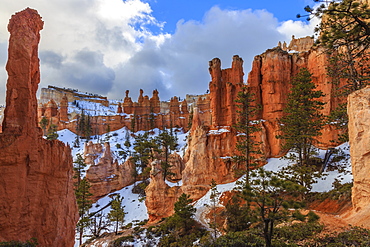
x=36, y=188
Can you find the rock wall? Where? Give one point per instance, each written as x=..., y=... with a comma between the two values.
x=36, y=188
x=145, y=114
x=212, y=141
x=269, y=81
x=57, y=93
x=106, y=175
x=359, y=140
x=160, y=197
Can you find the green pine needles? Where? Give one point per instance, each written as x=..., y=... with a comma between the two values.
x=303, y=121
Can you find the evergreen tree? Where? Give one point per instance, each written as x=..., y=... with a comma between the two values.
x=108, y=136
x=345, y=33
x=238, y=216
x=167, y=142
x=184, y=211
x=127, y=143
x=213, y=197
x=76, y=142
x=144, y=148
x=272, y=196
x=52, y=132
x=84, y=125
x=303, y=120
x=151, y=119
x=43, y=124
x=79, y=166
x=84, y=204
x=117, y=213
x=246, y=145
x=88, y=128
x=181, y=229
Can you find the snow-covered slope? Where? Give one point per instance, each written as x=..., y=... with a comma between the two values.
x=135, y=208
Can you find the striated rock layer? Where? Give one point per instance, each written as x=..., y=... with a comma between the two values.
x=359, y=140
x=36, y=191
x=269, y=81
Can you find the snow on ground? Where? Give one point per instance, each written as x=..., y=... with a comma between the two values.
x=92, y=108
x=136, y=209
x=325, y=183
x=114, y=138
x=219, y=131
x=203, y=205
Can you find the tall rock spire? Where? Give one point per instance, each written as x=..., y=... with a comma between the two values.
x=36, y=186
x=23, y=72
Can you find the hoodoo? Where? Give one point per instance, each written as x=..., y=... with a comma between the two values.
x=36, y=188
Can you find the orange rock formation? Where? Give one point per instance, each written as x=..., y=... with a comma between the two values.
x=36, y=191
x=107, y=175
x=212, y=140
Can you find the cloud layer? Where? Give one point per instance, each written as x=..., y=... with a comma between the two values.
x=106, y=47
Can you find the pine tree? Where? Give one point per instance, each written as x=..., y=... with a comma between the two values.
x=303, y=120
x=117, y=213
x=151, y=119
x=84, y=204
x=181, y=229
x=88, y=128
x=213, y=197
x=84, y=125
x=133, y=122
x=238, y=215
x=43, y=124
x=184, y=212
x=76, y=142
x=246, y=145
x=79, y=168
x=108, y=135
x=272, y=196
x=52, y=132
x=345, y=34
x=144, y=148
x=167, y=142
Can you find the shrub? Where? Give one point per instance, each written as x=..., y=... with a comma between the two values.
x=29, y=243
x=119, y=241
x=297, y=232
x=355, y=236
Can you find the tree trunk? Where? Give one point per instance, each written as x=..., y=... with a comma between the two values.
x=266, y=233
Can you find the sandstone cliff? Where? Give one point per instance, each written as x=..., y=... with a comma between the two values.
x=106, y=175
x=212, y=141
x=359, y=131
x=36, y=193
x=269, y=80
x=160, y=197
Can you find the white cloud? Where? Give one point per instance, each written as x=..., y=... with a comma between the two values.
x=298, y=28
x=180, y=64
x=106, y=47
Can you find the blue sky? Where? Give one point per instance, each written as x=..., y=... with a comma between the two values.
x=109, y=46
x=172, y=11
